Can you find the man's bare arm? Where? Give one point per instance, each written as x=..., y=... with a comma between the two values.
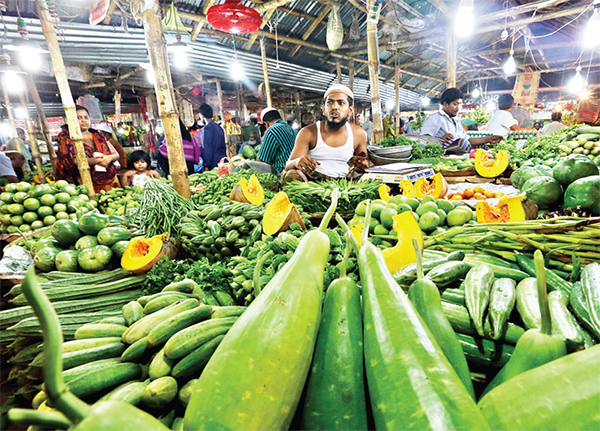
x=299, y=157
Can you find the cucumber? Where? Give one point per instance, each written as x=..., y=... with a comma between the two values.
x=528, y=304
x=456, y=296
x=407, y=274
x=578, y=304
x=231, y=311
x=184, y=286
x=135, y=351
x=189, y=339
x=169, y=327
x=448, y=273
x=475, y=259
x=130, y=393
x=99, y=330
x=105, y=378
x=81, y=370
x=193, y=363
x=553, y=281
x=590, y=285
x=185, y=393
x=502, y=302
x=132, y=312
x=461, y=322
x=142, y=327
x=564, y=323
x=478, y=286
x=160, y=366
x=159, y=392
x=143, y=300
x=161, y=302
x=223, y=298
x=88, y=343
x=484, y=353
x=79, y=357
x=504, y=272
x=115, y=320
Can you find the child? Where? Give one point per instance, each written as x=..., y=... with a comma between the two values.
x=141, y=172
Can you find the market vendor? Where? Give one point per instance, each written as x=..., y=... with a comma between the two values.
x=444, y=124
x=323, y=149
x=502, y=122
x=278, y=140
x=7, y=171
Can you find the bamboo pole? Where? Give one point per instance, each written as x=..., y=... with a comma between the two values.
x=397, y=111
x=35, y=149
x=41, y=118
x=351, y=75
x=221, y=110
x=451, y=54
x=263, y=54
x=60, y=74
x=117, y=107
x=373, y=58
x=338, y=68
x=155, y=41
x=11, y=119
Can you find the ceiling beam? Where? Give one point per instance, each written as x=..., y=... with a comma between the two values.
x=312, y=27
x=199, y=24
x=265, y=19
x=550, y=70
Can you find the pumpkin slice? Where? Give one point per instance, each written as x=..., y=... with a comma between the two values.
x=509, y=209
x=142, y=253
x=488, y=167
x=407, y=188
x=436, y=188
x=248, y=191
x=384, y=192
x=403, y=253
x=280, y=214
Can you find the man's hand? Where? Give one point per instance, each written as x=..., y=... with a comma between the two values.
x=448, y=137
x=494, y=139
x=307, y=164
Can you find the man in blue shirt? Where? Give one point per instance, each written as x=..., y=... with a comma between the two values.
x=278, y=141
x=443, y=124
x=213, y=139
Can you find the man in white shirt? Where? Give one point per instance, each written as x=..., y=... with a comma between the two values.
x=443, y=124
x=6, y=169
x=502, y=122
x=555, y=125
x=368, y=128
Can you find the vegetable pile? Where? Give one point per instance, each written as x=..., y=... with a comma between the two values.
x=313, y=197
x=218, y=189
x=118, y=200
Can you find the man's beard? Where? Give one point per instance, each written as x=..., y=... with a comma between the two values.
x=332, y=125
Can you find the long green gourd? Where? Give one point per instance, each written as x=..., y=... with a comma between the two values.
x=109, y=415
x=425, y=297
x=255, y=378
x=411, y=383
x=478, y=286
x=535, y=347
x=590, y=284
x=335, y=395
x=561, y=395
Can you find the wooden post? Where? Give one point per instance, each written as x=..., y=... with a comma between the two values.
x=155, y=42
x=60, y=74
x=397, y=111
x=117, y=107
x=263, y=54
x=221, y=110
x=35, y=149
x=11, y=119
x=373, y=59
x=451, y=53
x=42, y=119
x=351, y=75
x=338, y=68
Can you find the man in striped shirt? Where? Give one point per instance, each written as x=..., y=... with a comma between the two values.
x=278, y=142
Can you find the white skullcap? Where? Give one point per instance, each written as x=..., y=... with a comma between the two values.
x=339, y=88
x=265, y=112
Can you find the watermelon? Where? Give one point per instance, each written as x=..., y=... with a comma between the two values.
x=249, y=152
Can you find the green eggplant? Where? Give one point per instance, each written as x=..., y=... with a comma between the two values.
x=425, y=296
x=535, y=347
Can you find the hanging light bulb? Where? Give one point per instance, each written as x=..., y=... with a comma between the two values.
x=591, y=34
x=476, y=93
x=577, y=83
x=237, y=71
x=390, y=104
x=510, y=66
x=504, y=35
x=180, y=59
x=30, y=59
x=20, y=113
x=6, y=129
x=425, y=101
x=465, y=20
x=490, y=106
x=13, y=82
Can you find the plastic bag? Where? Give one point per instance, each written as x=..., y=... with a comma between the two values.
x=15, y=262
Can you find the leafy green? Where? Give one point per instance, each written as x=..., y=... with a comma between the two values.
x=314, y=197
x=164, y=272
x=480, y=115
x=394, y=142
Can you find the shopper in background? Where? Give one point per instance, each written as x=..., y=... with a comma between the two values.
x=213, y=139
x=66, y=167
x=502, y=122
x=253, y=141
x=108, y=133
x=7, y=170
x=555, y=124
x=444, y=124
x=190, y=150
x=11, y=145
x=368, y=128
x=140, y=172
x=278, y=141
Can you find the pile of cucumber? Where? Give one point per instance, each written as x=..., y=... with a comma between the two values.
x=583, y=140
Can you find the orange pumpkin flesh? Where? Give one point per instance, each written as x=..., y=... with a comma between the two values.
x=436, y=188
x=407, y=188
x=280, y=214
x=142, y=253
x=509, y=209
x=384, y=192
x=488, y=167
x=248, y=191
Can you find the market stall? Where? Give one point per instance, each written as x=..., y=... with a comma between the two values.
x=444, y=286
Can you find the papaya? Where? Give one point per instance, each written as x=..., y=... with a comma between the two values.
x=572, y=168
x=584, y=192
x=525, y=173
x=544, y=191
